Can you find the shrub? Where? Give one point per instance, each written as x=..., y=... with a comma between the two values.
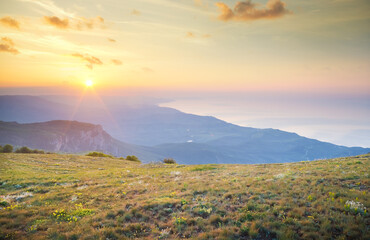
x=27, y=150
x=98, y=154
x=169, y=161
x=203, y=168
x=1, y=149
x=132, y=158
x=7, y=148
x=38, y=151
x=4, y=204
x=23, y=150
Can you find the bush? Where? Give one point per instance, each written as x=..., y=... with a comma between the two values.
x=38, y=151
x=132, y=158
x=1, y=149
x=23, y=150
x=98, y=154
x=169, y=161
x=7, y=148
x=27, y=150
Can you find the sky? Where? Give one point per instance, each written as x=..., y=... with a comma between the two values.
x=254, y=47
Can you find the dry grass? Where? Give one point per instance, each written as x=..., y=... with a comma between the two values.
x=78, y=197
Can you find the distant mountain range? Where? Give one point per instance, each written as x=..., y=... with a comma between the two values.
x=165, y=132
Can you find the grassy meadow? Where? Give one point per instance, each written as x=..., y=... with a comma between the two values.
x=52, y=196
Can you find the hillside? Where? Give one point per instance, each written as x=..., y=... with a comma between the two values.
x=171, y=133
x=69, y=137
x=77, y=197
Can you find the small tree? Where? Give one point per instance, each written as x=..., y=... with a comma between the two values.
x=38, y=151
x=1, y=149
x=169, y=161
x=132, y=158
x=23, y=150
x=7, y=148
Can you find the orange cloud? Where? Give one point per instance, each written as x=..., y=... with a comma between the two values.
x=190, y=35
x=78, y=23
x=248, y=11
x=10, y=22
x=136, y=12
x=116, y=62
x=91, y=60
x=7, y=45
x=57, y=22
x=111, y=40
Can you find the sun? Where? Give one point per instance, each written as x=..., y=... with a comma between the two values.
x=89, y=83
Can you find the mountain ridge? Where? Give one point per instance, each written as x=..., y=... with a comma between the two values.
x=166, y=132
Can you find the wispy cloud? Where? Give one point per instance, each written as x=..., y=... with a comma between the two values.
x=116, y=62
x=111, y=40
x=147, y=70
x=194, y=35
x=176, y=5
x=201, y=3
x=51, y=7
x=9, y=22
x=80, y=23
x=248, y=11
x=7, y=45
x=91, y=60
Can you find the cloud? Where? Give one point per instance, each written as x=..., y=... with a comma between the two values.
x=190, y=35
x=248, y=11
x=57, y=22
x=10, y=22
x=91, y=60
x=7, y=45
x=116, y=62
x=79, y=23
x=135, y=12
x=89, y=23
x=193, y=35
x=111, y=40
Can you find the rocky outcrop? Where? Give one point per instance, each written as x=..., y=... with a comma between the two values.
x=69, y=137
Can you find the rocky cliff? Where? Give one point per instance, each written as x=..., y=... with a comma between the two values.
x=69, y=137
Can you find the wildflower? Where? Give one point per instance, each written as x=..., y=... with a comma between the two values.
x=355, y=207
x=309, y=198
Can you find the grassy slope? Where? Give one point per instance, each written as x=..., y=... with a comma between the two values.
x=78, y=197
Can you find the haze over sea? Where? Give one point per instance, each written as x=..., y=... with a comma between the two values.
x=342, y=120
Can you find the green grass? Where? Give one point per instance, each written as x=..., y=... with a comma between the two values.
x=51, y=196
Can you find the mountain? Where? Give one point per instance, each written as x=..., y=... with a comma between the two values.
x=168, y=132
x=69, y=137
